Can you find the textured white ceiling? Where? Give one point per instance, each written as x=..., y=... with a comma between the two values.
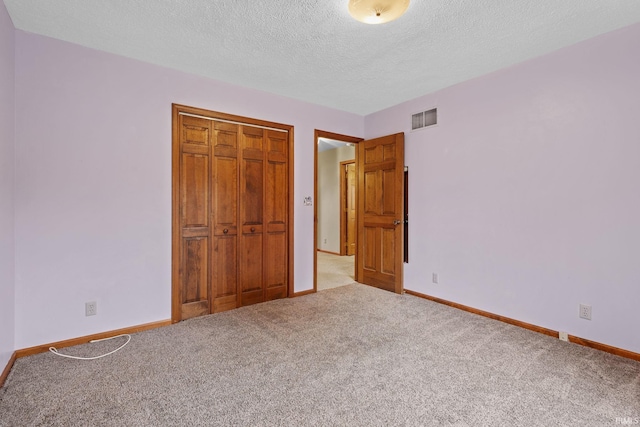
x=314, y=51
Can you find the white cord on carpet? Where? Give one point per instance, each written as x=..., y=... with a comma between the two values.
x=55, y=350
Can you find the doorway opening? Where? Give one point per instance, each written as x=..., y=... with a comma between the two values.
x=335, y=193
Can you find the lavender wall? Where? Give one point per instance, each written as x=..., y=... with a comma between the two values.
x=525, y=198
x=7, y=119
x=93, y=183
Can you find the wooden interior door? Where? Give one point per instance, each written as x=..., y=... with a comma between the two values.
x=232, y=211
x=194, y=221
x=276, y=216
x=348, y=208
x=224, y=256
x=251, y=215
x=380, y=212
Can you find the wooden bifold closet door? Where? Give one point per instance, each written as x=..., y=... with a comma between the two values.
x=231, y=237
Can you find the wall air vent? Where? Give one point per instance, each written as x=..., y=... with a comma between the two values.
x=424, y=119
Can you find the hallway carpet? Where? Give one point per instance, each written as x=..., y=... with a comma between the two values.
x=335, y=270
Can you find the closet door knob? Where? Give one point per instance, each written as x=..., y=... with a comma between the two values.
x=225, y=231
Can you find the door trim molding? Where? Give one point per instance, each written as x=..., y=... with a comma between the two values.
x=338, y=137
x=177, y=110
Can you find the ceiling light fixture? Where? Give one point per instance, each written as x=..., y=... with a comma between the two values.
x=377, y=11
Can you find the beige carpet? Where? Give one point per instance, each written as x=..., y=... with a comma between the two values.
x=349, y=356
x=334, y=270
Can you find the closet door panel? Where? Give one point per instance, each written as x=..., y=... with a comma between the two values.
x=225, y=217
x=251, y=269
x=276, y=266
x=194, y=208
x=225, y=273
x=195, y=190
x=252, y=193
x=195, y=301
x=194, y=130
x=276, y=216
x=276, y=194
x=225, y=196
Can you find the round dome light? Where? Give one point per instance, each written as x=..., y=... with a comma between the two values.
x=377, y=11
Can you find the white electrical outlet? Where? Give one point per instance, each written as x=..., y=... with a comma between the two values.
x=564, y=336
x=90, y=308
x=434, y=277
x=585, y=311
